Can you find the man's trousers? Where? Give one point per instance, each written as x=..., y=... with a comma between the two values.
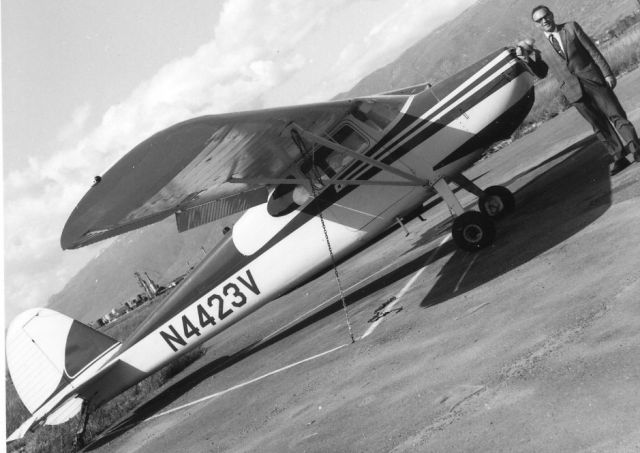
x=601, y=108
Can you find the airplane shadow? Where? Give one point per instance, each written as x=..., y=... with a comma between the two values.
x=168, y=394
x=554, y=205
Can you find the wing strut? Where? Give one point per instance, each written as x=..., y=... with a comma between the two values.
x=343, y=182
x=433, y=179
x=343, y=149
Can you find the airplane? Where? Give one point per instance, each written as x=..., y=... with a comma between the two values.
x=314, y=183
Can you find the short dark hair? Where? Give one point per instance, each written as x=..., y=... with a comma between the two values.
x=546, y=8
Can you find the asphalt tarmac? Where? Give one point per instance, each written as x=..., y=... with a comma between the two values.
x=529, y=345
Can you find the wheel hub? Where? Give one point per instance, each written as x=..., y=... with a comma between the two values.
x=493, y=205
x=472, y=233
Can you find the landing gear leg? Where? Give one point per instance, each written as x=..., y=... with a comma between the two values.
x=465, y=183
x=494, y=201
x=79, y=440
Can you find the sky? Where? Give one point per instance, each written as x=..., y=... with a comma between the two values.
x=84, y=81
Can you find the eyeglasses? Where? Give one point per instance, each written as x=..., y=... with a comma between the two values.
x=546, y=16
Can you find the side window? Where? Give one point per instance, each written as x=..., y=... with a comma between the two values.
x=326, y=163
x=321, y=167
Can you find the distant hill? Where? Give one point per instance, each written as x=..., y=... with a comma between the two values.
x=482, y=28
x=107, y=281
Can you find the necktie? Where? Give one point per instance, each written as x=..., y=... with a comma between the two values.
x=556, y=45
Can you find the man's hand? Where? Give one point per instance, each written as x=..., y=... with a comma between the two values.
x=611, y=81
x=524, y=48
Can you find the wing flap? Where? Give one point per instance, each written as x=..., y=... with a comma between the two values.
x=204, y=213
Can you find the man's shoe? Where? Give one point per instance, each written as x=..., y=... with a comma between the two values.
x=618, y=166
x=634, y=149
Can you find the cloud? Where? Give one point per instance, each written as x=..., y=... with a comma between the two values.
x=253, y=50
x=75, y=127
x=411, y=20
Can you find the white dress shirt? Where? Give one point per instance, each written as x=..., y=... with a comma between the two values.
x=556, y=34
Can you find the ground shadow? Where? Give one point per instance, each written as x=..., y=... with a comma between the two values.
x=169, y=393
x=553, y=205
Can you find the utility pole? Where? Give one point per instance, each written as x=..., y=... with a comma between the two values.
x=153, y=286
x=144, y=285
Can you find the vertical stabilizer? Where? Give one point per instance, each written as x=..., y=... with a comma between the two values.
x=46, y=350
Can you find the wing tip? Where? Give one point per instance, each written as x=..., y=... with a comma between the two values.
x=71, y=237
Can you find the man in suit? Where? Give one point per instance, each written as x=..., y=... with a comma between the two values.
x=587, y=82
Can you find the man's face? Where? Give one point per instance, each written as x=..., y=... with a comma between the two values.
x=544, y=20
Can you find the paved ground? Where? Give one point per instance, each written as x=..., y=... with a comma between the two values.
x=530, y=345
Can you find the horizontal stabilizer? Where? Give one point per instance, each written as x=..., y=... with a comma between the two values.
x=208, y=212
x=65, y=412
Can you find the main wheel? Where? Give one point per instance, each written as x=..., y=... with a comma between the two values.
x=497, y=202
x=473, y=231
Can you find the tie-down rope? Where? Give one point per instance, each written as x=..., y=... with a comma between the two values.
x=313, y=172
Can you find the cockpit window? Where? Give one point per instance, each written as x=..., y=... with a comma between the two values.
x=326, y=163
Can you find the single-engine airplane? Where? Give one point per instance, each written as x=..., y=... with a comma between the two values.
x=315, y=183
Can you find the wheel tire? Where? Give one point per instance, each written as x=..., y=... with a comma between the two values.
x=497, y=202
x=473, y=231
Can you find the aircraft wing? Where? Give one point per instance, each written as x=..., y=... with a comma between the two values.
x=186, y=168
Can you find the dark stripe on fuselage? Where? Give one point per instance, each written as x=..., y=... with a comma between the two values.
x=499, y=129
x=486, y=91
x=423, y=102
x=431, y=128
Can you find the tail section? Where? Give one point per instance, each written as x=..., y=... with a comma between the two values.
x=46, y=350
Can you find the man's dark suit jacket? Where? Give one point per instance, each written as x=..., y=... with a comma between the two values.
x=584, y=61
